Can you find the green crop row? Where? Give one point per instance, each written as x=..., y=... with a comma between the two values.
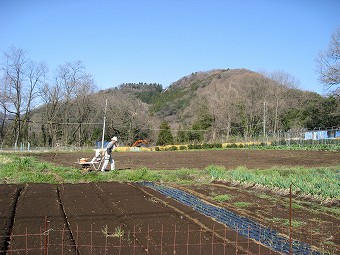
x=317, y=182
x=276, y=145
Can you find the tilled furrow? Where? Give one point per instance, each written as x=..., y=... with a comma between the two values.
x=9, y=196
x=39, y=224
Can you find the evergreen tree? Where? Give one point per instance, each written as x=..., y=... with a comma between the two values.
x=182, y=136
x=165, y=136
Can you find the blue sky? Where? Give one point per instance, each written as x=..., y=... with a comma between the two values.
x=163, y=40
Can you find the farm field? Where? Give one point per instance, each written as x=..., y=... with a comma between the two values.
x=130, y=218
x=230, y=159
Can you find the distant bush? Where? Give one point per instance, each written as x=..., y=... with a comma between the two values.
x=182, y=147
x=204, y=146
x=217, y=145
x=282, y=142
x=194, y=146
x=197, y=146
x=207, y=146
x=173, y=148
x=232, y=145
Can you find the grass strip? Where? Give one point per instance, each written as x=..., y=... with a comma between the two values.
x=320, y=182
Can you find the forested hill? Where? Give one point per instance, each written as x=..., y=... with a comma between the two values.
x=216, y=104
x=237, y=97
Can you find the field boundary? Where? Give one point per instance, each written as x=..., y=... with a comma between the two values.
x=124, y=239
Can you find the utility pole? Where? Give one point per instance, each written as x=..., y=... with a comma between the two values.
x=104, y=125
x=264, y=119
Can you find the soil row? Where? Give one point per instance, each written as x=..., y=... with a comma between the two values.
x=106, y=218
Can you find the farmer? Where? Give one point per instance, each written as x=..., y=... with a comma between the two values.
x=108, y=154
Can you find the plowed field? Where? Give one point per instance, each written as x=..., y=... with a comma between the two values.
x=230, y=159
x=128, y=218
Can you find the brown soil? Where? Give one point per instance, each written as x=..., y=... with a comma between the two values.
x=83, y=218
x=230, y=159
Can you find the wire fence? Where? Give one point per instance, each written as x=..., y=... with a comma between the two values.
x=122, y=240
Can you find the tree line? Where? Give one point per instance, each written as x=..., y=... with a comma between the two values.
x=246, y=105
x=26, y=88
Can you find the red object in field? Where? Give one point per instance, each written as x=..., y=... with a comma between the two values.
x=140, y=143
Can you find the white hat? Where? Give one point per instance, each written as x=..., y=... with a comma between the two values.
x=114, y=138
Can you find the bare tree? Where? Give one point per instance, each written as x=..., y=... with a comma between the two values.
x=328, y=64
x=222, y=104
x=84, y=110
x=13, y=67
x=51, y=94
x=255, y=93
x=35, y=75
x=3, y=113
x=70, y=77
x=67, y=106
x=127, y=116
x=21, y=79
x=280, y=82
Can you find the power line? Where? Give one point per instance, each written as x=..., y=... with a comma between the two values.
x=57, y=123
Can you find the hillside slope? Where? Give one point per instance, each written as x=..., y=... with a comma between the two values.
x=219, y=103
x=214, y=90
